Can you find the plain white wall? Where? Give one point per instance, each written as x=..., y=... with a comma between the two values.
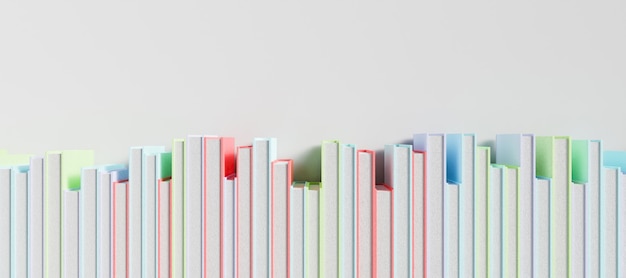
x=115, y=74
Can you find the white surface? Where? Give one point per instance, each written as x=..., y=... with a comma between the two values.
x=276, y=58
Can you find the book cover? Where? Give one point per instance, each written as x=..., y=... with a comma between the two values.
x=36, y=216
x=264, y=152
x=313, y=224
x=297, y=229
x=177, y=183
x=71, y=238
x=347, y=210
x=419, y=213
x=365, y=193
x=280, y=189
x=383, y=231
x=244, y=211
x=481, y=212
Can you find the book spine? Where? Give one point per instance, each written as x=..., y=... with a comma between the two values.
x=52, y=214
x=177, y=183
x=193, y=207
x=541, y=228
x=71, y=238
x=383, y=231
x=36, y=217
x=330, y=189
x=229, y=230
x=494, y=221
x=592, y=210
x=466, y=206
x=297, y=228
x=510, y=189
x=608, y=223
x=281, y=181
x=244, y=211
x=163, y=236
x=347, y=211
x=134, y=211
x=264, y=151
x=19, y=212
x=311, y=247
x=365, y=194
x=149, y=216
x=419, y=212
x=119, y=229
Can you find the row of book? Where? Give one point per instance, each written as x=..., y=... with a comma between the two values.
x=548, y=206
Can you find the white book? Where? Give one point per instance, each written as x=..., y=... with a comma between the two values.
x=229, y=227
x=608, y=223
x=212, y=198
x=5, y=219
x=163, y=235
x=541, y=228
x=451, y=230
x=281, y=181
x=592, y=210
x=264, y=152
x=19, y=211
x=577, y=230
x=52, y=214
x=89, y=221
x=419, y=179
x=365, y=187
x=193, y=207
x=398, y=175
x=107, y=177
x=135, y=185
x=71, y=238
x=558, y=207
x=481, y=202
x=519, y=150
x=177, y=184
x=312, y=243
x=244, y=211
x=149, y=215
x=494, y=220
x=466, y=206
x=621, y=214
x=510, y=189
x=383, y=236
x=35, y=216
x=330, y=189
x=433, y=145
x=347, y=210
x=297, y=228
x=118, y=233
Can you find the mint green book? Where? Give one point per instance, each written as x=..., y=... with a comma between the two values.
x=554, y=162
x=62, y=172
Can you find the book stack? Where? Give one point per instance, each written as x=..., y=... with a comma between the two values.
x=528, y=206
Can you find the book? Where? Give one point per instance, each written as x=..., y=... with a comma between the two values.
x=510, y=201
x=136, y=180
x=244, y=211
x=347, y=210
x=264, y=152
x=229, y=227
x=593, y=162
x=330, y=190
x=35, y=216
x=383, y=234
x=280, y=189
x=177, y=183
x=107, y=178
x=163, y=226
x=365, y=193
x=5, y=219
x=398, y=175
x=71, y=239
x=580, y=179
x=494, y=221
x=481, y=210
x=149, y=220
x=621, y=213
x=119, y=244
x=541, y=227
x=451, y=230
x=418, y=183
x=467, y=162
x=608, y=220
x=19, y=215
x=313, y=223
x=193, y=206
x=218, y=162
x=518, y=150
x=553, y=160
x=614, y=163
x=297, y=229
x=163, y=174
x=434, y=147
x=62, y=171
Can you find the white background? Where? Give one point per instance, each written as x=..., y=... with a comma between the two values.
x=115, y=74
